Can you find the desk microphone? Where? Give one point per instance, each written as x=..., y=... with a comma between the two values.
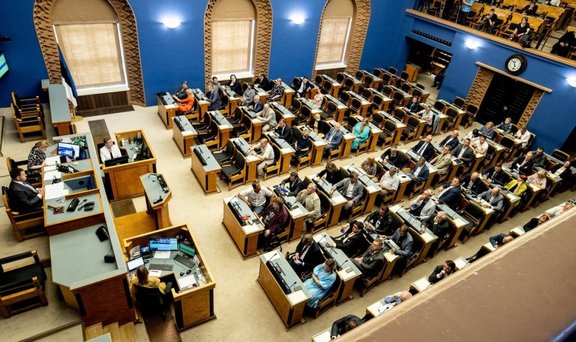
x=323, y=237
x=294, y=283
x=345, y=261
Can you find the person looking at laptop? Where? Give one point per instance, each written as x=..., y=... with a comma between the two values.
x=143, y=279
x=109, y=150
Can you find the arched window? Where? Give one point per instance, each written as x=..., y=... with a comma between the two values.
x=88, y=34
x=342, y=34
x=235, y=42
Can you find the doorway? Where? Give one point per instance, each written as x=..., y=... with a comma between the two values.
x=505, y=97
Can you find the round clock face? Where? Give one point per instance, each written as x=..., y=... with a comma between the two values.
x=516, y=64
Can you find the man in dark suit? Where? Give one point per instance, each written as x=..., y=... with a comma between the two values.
x=442, y=271
x=381, y=221
x=394, y=157
x=524, y=164
x=333, y=138
x=492, y=199
x=344, y=325
x=352, y=242
x=414, y=105
x=263, y=82
x=419, y=174
x=213, y=96
x=439, y=224
x=352, y=190
x=424, y=148
x=293, y=184
x=302, y=86
x=471, y=183
x=451, y=140
x=306, y=256
x=283, y=131
x=404, y=240
x=464, y=152
x=372, y=261
x=257, y=106
x=23, y=197
x=495, y=175
x=451, y=194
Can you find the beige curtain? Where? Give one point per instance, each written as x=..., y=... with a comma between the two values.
x=231, y=44
x=333, y=36
x=92, y=52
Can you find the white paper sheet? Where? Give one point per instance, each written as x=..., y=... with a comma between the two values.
x=187, y=281
x=55, y=191
x=162, y=255
x=52, y=160
x=155, y=273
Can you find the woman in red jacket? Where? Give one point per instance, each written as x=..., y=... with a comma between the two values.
x=185, y=105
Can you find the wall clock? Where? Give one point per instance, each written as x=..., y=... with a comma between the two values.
x=516, y=64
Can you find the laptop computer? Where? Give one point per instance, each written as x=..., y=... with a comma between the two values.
x=133, y=264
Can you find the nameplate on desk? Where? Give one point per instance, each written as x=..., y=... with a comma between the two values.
x=421, y=284
x=296, y=212
x=427, y=236
x=460, y=222
x=297, y=297
x=187, y=133
x=251, y=228
x=347, y=273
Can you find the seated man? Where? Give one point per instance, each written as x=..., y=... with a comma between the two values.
x=352, y=190
x=283, y=131
x=524, y=136
x=539, y=158
x=394, y=157
x=372, y=261
x=109, y=151
x=443, y=161
x=524, y=164
x=255, y=196
x=507, y=126
x=439, y=224
x=257, y=105
x=450, y=194
x=492, y=199
x=464, y=152
x=501, y=239
x=428, y=115
x=419, y=174
x=495, y=175
x=414, y=105
x=344, y=325
x=423, y=207
x=306, y=256
x=302, y=86
x=559, y=209
x=277, y=91
x=23, y=197
x=398, y=297
x=380, y=222
x=389, y=182
x=333, y=138
x=472, y=184
x=404, y=240
x=181, y=91
x=451, y=140
x=424, y=148
x=480, y=146
x=488, y=130
x=488, y=22
x=269, y=116
x=442, y=271
x=352, y=242
x=310, y=200
x=292, y=184
x=265, y=155
x=213, y=96
x=275, y=219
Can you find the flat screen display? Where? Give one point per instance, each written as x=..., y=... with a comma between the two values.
x=68, y=150
x=134, y=264
x=3, y=65
x=163, y=244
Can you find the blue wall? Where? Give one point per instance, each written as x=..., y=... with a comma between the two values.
x=22, y=53
x=554, y=118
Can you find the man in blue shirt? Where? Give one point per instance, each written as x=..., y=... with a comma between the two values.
x=464, y=11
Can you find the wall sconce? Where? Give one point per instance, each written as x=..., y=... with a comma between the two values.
x=571, y=81
x=298, y=19
x=472, y=43
x=171, y=22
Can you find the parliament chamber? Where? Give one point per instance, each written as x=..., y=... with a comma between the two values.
x=207, y=171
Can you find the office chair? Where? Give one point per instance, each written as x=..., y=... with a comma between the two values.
x=150, y=301
x=24, y=226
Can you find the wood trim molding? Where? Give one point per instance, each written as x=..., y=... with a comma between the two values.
x=47, y=41
x=516, y=78
x=263, y=37
x=479, y=86
x=357, y=38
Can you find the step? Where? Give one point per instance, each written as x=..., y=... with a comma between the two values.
x=114, y=331
x=128, y=332
x=93, y=331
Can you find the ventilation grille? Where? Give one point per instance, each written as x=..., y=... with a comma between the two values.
x=431, y=37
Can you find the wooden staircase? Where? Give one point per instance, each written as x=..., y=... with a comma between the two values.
x=124, y=333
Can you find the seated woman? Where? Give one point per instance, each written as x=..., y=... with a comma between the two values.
x=142, y=279
x=488, y=130
x=517, y=186
x=277, y=91
x=322, y=279
x=535, y=222
x=369, y=167
x=248, y=95
x=331, y=173
x=36, y=159
x=302, y=146
x=521, y=33
x=507, y=126
x=318, y=99
x=185, y=105
x=234, y=85
x=361, y=131
x=538, y=179
x=314, y=123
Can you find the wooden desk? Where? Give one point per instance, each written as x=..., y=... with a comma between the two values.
x=483, y=215
x=60, y=110
x=256, y=124
x=406, y=97
x=205, y=168
x=459, y=111
x=251, y=161
x=184, y=135
x=323, y=336
x=337, y=201
x=412, y=70
x=340, y=107
x=425, y=93
x=223, y=125
x=371, y=187
x=364, y=104
x=123, y=178
x=404, y=179
x=318, y=146
x=386, y=101
x=244, y=234
x=289, y=307
x=288, y=95
x=356, y=83
x=203, y=103
x=166, y=108
x=298, y=214
x=192, y=305
x=262, y=93
x=347, y=271
x=233, y=99
x=287, y=115
x=459, y=222
x=334, y=85
x=157, y=198
x=415, y=225
x=376, y=81
x=347, y=140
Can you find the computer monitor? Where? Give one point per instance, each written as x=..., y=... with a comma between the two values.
x=134, y=264
x=116, y=161
x=68, y=150
x=163, y=244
